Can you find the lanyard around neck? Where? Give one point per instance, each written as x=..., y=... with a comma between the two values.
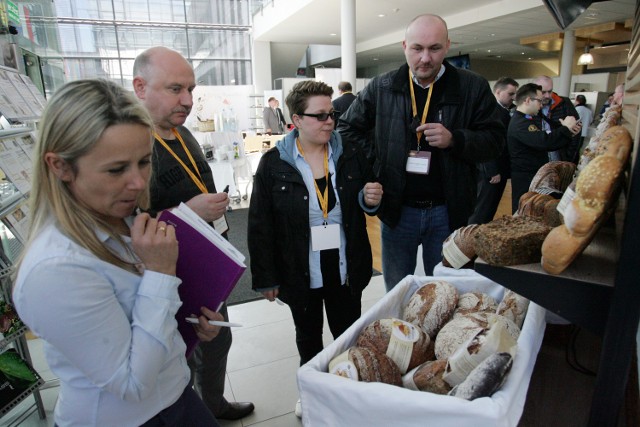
x=414, y=108
x=197, y=180
x=322, y=198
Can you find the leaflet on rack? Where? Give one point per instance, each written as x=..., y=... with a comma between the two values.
x=208, y=265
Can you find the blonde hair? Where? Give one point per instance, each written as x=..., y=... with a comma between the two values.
x=73, y=122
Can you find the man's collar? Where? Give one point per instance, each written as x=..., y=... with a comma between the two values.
x=440, y=73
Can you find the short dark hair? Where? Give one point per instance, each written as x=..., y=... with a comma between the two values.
x=530, y=90
x=297, y=99
x=581, y=99
x=503, y=82
x=273, y=98
x=345, y=87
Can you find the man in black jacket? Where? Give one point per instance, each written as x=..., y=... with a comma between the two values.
x=554, y=108
x=342, y=103
x=429, y=124
x=529, y=144
x=493, y=175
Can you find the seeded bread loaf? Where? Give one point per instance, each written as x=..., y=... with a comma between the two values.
x=457, y=250
x=510, y=240
x=431, y=306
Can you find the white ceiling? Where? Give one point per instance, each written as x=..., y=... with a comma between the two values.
x=489, y=29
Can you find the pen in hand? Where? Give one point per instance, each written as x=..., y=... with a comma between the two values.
x=215, y=322
x=226, y=189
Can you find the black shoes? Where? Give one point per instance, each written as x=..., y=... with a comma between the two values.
x=236, y=410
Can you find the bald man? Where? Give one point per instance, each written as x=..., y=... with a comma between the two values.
x=554, y=108
x=164, y=81
x=430, y=123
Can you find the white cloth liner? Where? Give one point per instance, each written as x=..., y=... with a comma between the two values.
x=330, y=400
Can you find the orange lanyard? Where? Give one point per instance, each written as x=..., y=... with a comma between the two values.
x=197, y=180
x=322, y=198
x=414, y=108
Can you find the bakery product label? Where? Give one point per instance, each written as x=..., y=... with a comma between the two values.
x=567, y=197
x=342, y=366
x=453, y=254
x=403, y=337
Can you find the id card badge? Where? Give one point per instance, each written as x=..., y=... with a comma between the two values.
x=220, y=224
x=419, y=162
x=325, y=237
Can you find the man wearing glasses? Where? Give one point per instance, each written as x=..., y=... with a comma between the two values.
x=428, y=123
x=529, y=144
x=554, y=108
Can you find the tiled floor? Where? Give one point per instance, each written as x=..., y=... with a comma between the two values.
x=262, y=365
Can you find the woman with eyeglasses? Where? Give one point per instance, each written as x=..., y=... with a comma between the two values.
x=307, y=231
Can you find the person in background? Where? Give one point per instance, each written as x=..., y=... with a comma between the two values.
x=96, y=282
x=342, y=103
x=606, y=105
x=554, y=108
x=430, y=123
x=618, y=95
x=273, y=119
x=529, y=144
x=309, y=197
x=586, y=116
x=164, y=81
x=493, y=175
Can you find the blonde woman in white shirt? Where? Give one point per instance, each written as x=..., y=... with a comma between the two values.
x=97, y=284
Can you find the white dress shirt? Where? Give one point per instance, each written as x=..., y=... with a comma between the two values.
x=109, y=335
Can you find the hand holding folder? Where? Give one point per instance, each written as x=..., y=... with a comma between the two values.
x=208, y=265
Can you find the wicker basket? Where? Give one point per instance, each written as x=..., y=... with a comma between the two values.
x=206, y=126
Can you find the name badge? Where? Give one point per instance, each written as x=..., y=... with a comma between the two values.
x=419, y=162
x=325, y=237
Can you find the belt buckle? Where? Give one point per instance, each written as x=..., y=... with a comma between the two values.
x=425, y=204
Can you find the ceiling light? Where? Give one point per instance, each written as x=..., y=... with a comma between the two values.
x=586, y=58
x=333, y=34
x=381, y=15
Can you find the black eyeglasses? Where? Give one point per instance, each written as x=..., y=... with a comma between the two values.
x=322, y=117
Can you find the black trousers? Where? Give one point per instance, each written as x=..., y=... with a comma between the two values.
x=342, y=310
x=489, y=196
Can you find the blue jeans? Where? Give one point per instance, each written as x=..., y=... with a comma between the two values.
x=426, y=227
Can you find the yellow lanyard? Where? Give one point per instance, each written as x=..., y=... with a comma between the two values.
x=197, y=180
x=415, y=109
x=322, y=198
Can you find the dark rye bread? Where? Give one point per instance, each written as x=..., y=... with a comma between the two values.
x=511, y=240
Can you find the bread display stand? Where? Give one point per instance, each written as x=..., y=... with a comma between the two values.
x=331, y=400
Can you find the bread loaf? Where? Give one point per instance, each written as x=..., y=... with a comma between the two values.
x=560, y=248
x=615, y=142
x=596, y=187
x=364, y=364
x=514, y=307
x=541, y=206
x=475, y=302
x=510, y=240
x=486, y=378
x=405, y=343
x=427, y=377
x=457, y=249
x=553, y=177
x=431, y=306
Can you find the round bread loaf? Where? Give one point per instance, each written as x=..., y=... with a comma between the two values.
x=462, y=328
x=514, y=307
x=373, y=366
x=458, y=331
x=511, y=240
x=553, y=176
x=407, y=344
x=457, y=249
x=486, y=378
x=541, y=206
x=431, y=306
x=427, y=377
x=475, y=302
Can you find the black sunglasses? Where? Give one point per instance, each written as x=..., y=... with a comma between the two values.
x=322, y=117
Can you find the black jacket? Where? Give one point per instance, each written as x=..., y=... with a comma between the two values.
x=469, y=113
x=279, y=231
x=561, y=108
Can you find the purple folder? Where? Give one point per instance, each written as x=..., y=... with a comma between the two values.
x=208, y=275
